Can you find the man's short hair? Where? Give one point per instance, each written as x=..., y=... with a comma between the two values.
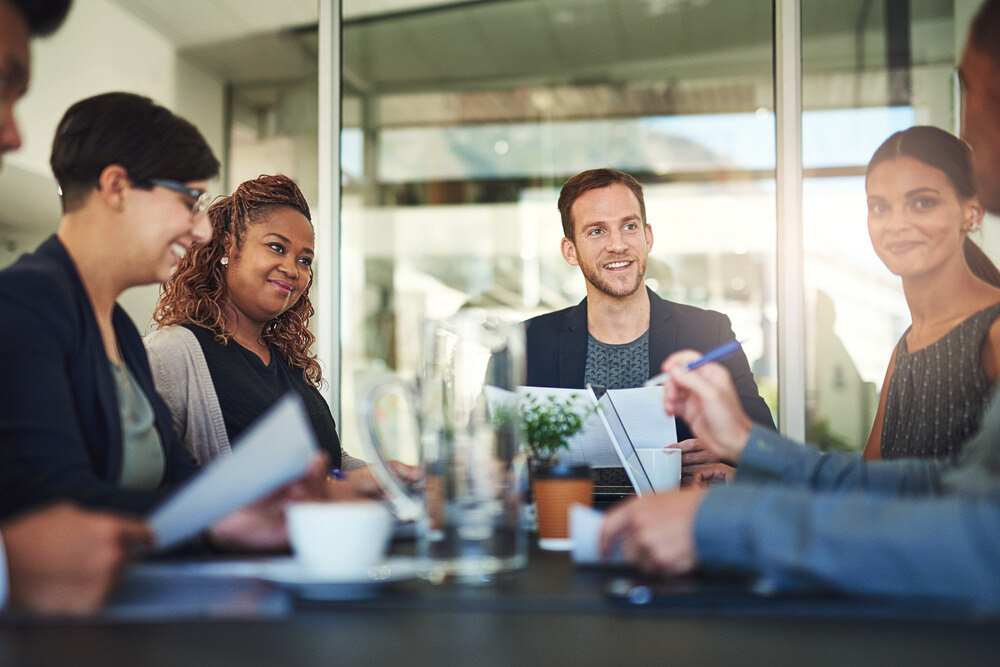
x=984, y=34
x=147, y=140
x=43, y=16
x=594, y=179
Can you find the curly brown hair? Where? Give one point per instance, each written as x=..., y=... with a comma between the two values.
x=196, y=291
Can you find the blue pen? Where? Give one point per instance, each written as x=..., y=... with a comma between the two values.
x=721, y=352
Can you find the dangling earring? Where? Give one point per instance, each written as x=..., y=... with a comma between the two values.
x=224, y=261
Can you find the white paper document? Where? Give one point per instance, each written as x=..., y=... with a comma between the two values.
x=584, y=532
x=641, y=411
x=273, y=451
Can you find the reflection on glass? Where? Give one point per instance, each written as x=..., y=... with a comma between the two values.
x=455, y=150
x=868, y=71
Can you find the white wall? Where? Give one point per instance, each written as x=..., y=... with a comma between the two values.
x=100, y=48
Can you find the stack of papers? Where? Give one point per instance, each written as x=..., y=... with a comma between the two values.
x=640, y=409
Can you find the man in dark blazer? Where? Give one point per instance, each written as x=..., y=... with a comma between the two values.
x=618, y=336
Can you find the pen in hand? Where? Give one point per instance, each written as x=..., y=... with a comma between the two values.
x=721, y=352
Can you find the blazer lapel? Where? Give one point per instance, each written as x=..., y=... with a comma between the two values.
x=662, y=332
x=573, y=348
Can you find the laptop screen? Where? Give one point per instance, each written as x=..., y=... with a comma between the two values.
x=621, y=442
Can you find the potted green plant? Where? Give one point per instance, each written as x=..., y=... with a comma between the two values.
x=547, y=425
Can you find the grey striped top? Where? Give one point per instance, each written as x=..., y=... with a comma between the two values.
x=938, y=394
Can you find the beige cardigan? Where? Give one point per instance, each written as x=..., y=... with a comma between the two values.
x=182, y=378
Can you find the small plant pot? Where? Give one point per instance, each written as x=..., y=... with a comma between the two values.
x=556, y=488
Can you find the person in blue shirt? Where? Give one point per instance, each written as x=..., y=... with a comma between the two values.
x=797, y=516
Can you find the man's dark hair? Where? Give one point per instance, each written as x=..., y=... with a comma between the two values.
x=984, y=34
x=594, y=179
x=43, y=16
x=132, y=131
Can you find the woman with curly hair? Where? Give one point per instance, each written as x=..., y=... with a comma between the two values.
x=233, y=322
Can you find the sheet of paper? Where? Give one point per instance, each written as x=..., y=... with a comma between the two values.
x=584, y=531
x=273, y=451
x=641, y=410
x=590, y=446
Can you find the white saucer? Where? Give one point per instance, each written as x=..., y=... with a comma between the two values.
x=308, y=582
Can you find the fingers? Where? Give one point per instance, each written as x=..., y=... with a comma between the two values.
x=689, y=445
x=679, y=360
x=614, y=527
x=134, y=536
x=407, y=473
x=693, y=454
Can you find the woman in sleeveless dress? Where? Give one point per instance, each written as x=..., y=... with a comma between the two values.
x=922, y=204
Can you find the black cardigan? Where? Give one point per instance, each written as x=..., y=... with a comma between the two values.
x=60, y=430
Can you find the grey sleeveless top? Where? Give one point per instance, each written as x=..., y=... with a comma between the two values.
x=938, y=394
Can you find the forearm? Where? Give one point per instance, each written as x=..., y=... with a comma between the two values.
x=769, y=457
x=862, y=543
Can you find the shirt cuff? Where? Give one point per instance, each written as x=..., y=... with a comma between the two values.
x=766, y=456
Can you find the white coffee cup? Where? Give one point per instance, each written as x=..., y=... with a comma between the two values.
x=339, y=537
x=663, y=465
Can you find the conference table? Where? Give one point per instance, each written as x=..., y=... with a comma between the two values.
x=552, y=613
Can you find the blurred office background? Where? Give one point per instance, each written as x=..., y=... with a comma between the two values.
x=460, y=121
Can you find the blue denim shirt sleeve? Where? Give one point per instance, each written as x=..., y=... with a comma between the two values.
x=857, y=542
x=769, y=457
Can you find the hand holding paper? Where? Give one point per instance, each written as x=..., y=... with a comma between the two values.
x=277, y=449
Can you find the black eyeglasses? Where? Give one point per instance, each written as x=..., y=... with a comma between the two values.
x=201, y=198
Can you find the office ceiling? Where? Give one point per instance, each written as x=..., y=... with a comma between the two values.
x=412, y=45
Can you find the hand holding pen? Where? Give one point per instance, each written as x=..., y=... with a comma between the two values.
x=707, y=400
x=722, y=352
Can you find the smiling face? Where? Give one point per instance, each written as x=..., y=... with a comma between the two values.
x=916, y=221
x=610, y=241
x=273, y=267
x=14, y=70
x=161, y=229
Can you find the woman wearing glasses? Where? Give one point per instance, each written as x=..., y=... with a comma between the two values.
x=78, y=410
x=234, y=318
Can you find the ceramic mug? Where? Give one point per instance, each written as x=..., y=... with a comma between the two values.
x=663, y=465
x=339, y=538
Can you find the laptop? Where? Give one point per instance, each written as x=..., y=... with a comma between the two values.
x=620, y=440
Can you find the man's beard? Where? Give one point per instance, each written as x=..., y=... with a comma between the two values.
x=600, y=281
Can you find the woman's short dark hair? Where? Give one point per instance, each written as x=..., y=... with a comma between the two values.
x=43, y=16
x=947, y=153
x=147, y=140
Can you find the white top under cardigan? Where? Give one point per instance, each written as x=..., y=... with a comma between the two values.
x=182, y=378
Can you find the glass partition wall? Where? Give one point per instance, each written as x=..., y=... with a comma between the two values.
x=869, y=68
x=461, y=124
x=461, y=121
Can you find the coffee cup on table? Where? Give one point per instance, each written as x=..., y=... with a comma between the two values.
x=662, y=465
x=339, y=537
